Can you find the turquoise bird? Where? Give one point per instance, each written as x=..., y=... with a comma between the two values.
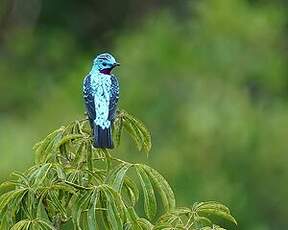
x=101, y=95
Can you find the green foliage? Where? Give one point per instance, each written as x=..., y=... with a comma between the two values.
x=72, y=182
x=210, y=81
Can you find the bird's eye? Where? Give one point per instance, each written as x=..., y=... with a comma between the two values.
x=104, y=63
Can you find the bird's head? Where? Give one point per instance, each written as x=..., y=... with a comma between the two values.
x=104, y=63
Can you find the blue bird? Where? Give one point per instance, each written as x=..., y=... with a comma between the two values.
x=101, y=95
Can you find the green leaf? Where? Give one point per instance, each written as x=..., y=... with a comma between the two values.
x=45, y=147
x=68, y=138
x=214, y=227
x=7, y=198
x=116, y=177
x=97, y=175
x=62, y=186
x=150, y=203
x=174, y=214
x=164, y=189
x=180, y=211
x=89, y=159
x=144, y=133
x=132, y=190
x=137, y=131
x=5, y=220
x=79, y=205
x=118, y=128
x=23, y=179
x=133, y=134
x=46, y=224
x=60, y=171
x=9, y=185
x=42, y=173
x=163, y=227
x=214, y=213
x=76, y=127
x=212, y=209
x=21, y=224
x=133, y=218
x=104, y=209
x=79, y=153
x=115, y=212
x=91, y=214
x=212, y=205
x=145, y=224
x=57, y=203
x=201, y=221
x=41, y=212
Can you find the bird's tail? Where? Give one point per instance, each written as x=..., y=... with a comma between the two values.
x=102, y=137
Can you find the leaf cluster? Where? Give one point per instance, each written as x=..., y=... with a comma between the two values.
x=89, y=188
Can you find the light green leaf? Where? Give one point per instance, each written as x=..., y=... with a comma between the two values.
x=45, y=148
x=145, y=224
x=9, y=185
x=137, y=131
x=41, y=212
x=163, y=227
x=7, y=198
x=133, y=134
x=67, y=138
x=21, y=224
x=79, y=205
x=42, y=173
x=46, y=224
x=212, y=205
x=201, y=221
x=144, y=133
x=91, y=214
x=89, y=159
x=60, y=171
x=79, y=153
x=210, y=213
x=118, y=128
x=64, y=187
x=164, y=189
x=116, y=177
x=214, y=209
x=115, y=212
x=150, y=203
x=132, y=190
x=57, y=203
x=133, y=218
x=22, y=178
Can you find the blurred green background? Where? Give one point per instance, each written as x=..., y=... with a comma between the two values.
x=209, y=79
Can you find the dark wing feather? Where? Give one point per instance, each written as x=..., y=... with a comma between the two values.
x=89, y=99
x=114, y=97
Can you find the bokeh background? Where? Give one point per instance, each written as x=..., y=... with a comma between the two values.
x=209, y=79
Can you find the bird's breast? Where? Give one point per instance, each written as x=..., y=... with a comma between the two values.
x=101, y=84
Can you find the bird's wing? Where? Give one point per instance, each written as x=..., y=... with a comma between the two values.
x=89, y=98
x=114, y=97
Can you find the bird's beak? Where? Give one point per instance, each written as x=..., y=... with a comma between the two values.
x=116, y=64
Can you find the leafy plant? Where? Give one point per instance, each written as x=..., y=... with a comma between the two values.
x=73, y=183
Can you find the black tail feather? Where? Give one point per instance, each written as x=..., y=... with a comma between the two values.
x=102, y=137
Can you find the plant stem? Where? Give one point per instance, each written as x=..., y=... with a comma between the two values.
x=76, y=185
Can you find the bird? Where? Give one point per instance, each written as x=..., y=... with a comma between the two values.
x=101, y=95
